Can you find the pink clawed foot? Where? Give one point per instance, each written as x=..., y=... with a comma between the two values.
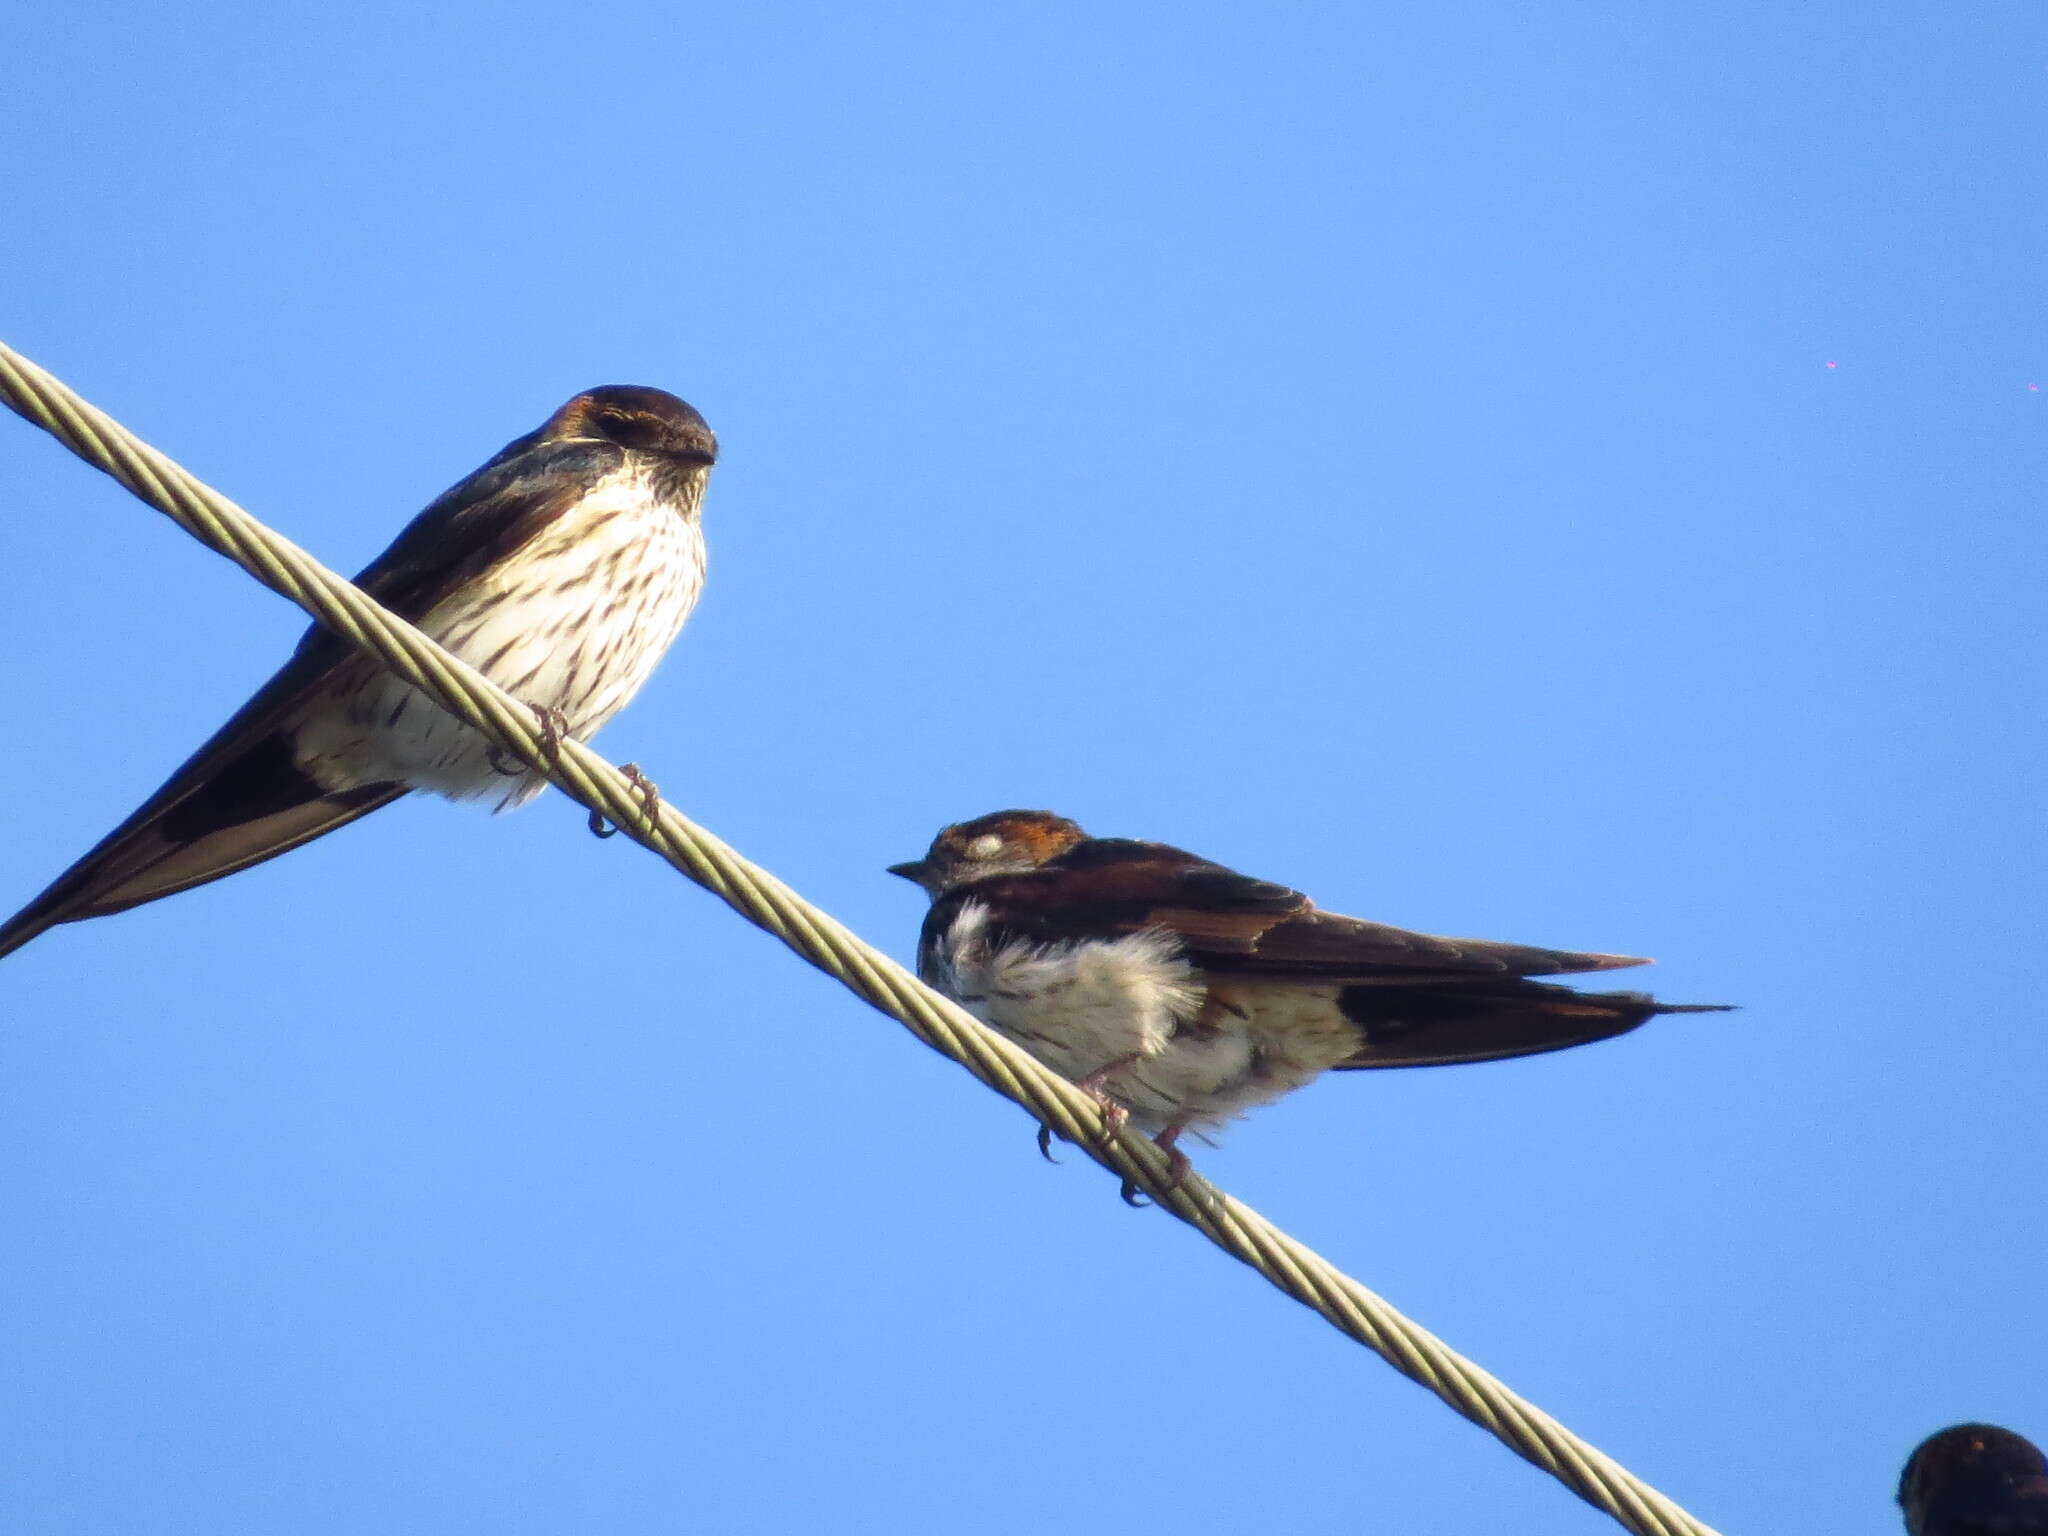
x=1177, y=1165
x=1113, y=1117
x=554, y=725
x=1113, y=1114
x=646, y=789
x=650, y=801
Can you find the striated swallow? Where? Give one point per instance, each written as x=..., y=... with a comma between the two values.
x=1181, y=993
x=1975, y=1480
x=562, y=570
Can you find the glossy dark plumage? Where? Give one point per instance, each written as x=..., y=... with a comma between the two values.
x=1189, y=992
x=562, y=569
x=1975, y=1480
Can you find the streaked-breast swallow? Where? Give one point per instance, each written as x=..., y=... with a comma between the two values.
x=562, y=570
x=1182, y=993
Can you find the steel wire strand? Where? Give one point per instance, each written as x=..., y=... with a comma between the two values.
x=871, y=975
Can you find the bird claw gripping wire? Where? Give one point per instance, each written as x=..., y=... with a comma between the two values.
x=1114, y=1117
x=650, y=801
x=1177, y=1167
x=554, y=725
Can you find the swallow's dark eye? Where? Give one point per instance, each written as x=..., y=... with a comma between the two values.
x=630, y=431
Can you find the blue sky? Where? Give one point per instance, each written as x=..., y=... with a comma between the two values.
x=1567, y=474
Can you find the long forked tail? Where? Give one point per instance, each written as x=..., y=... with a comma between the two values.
x=1442, y=1025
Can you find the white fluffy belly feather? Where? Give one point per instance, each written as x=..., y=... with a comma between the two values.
x=1078, y=1007
x=1187, y=1050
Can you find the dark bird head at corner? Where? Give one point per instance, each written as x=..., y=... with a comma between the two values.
x=1975, y=1480
x=1000, y=843
x=636, y=417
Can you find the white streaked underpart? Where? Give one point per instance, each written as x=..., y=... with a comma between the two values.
x=575, y=621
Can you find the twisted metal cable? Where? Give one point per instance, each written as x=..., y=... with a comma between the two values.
x=871, y=975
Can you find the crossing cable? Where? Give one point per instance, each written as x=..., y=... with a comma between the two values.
x=871, y=975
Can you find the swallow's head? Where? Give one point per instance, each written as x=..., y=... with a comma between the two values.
x=1000, y=843
x=634, y=416
x=1969, y=1470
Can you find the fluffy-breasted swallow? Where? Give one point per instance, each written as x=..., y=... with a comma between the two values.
x=1183, y=993
x=562, y=570
x=1975, y=1480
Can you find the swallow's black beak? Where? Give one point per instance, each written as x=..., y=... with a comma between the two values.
x=913, y=871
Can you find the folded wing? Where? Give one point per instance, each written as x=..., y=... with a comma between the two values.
x=238, y=800
x=241, y=798
x=1418, y=999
